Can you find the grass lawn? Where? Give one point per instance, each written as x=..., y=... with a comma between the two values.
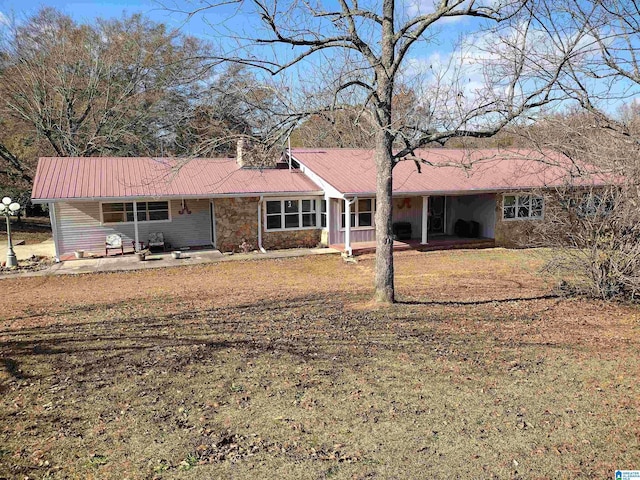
x=283, y=369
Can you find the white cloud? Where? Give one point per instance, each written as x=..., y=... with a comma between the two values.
x=4, y=20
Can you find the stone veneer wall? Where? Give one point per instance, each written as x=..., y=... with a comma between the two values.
x=515, y=233
x=236, y=221
x=291, y=239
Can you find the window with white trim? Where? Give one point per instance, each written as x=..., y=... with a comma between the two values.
x=323, y=213
x=522, y=207
x=362, y=212
x=122, y=212
x=291, y=214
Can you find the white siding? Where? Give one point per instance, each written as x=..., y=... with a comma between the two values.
x=79, y=227
x=336, y=235
x=480, y=208
x=409, y=209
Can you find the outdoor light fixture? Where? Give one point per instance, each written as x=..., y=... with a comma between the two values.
x=7, y=208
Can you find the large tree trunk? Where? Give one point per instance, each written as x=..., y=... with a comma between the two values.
x=385, y=292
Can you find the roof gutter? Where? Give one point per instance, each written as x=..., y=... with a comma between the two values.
x=434, y=193
x=177, y=197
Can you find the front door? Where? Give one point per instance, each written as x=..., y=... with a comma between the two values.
x=436, y=215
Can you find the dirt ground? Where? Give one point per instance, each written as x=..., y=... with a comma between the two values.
x=32, y=230
x=285, y=369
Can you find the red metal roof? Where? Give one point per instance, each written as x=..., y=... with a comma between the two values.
x=59, y=178
x=353, y=171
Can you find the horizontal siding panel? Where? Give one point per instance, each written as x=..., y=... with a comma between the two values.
x=336, y=234
x=187, y=229
x=479, y=208
x=409, y=209
x=334, y=220
x=78, y=227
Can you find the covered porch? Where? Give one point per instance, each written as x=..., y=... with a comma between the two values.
x=425, y=222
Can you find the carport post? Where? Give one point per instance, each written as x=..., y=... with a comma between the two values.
x=135, y=225
x=425, y=219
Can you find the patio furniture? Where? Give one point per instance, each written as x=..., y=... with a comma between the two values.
x=402, y=230
x=113, y=242
x=467, y=229
x=157, y=240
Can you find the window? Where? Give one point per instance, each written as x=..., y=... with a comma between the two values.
x=291, y=214
x=323, y=213
x=361, y=213
x=309, y=215
x=591, y=205
x=516, y=207
x=274, y=215
x=123, y=212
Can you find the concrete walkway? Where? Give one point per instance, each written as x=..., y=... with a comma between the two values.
x=121, y=263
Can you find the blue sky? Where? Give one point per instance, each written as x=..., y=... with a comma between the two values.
x=87, y=11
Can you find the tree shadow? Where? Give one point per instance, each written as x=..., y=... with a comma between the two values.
x=549, y=296
x=311, y=328
x=12, y=367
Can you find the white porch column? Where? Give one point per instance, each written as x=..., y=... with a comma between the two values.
x=425, y=219
x=135, y=225
x=328, y=215
x=54, y=229
x=347, y=226
x=260, y=247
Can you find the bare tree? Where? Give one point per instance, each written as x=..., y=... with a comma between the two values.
x=599, y=126
x=342, y=128
x=595, y=233
x=359, y=53
x=235, y=105
x=602, y=71
x=115, y=87
x=592, y=223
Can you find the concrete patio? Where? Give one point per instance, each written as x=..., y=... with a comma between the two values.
x=129, y=262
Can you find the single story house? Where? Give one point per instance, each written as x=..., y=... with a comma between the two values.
x=303, y=201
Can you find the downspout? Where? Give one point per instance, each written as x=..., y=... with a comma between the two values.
x=260, y=247
x=136, y=235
